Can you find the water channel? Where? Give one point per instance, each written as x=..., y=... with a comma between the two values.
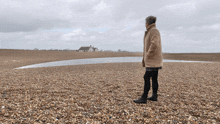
x=95, y=61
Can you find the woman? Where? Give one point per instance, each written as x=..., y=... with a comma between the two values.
x=152, y=59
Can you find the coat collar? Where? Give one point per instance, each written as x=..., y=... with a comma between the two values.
x=150, y=26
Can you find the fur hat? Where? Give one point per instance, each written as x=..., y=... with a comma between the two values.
x=151, y=19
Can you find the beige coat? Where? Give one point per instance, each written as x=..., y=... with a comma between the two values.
x=152, y=55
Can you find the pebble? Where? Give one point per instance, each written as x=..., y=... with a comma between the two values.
x=42, y=94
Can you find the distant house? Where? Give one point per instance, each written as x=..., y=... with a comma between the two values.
x=88, y=49
x=95, y=49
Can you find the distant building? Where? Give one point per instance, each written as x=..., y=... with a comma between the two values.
x=95, y=49
x=88, y=49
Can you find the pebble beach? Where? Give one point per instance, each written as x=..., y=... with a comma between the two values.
x=104, y=93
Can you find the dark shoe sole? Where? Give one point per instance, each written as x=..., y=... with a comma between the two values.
x=152, y=99
x=139, y=102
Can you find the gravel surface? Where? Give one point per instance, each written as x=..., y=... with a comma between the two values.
x=104, y=93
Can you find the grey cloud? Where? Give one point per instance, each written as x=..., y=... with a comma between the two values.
x=27, y=16
x=32, y=24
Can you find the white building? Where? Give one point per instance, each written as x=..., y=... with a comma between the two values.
x=88, y=49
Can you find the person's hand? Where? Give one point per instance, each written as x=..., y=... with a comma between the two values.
x=143, y=64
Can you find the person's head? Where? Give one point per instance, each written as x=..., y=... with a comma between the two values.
x=150, y=20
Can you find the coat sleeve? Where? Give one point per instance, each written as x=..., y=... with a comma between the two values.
x=154, y=40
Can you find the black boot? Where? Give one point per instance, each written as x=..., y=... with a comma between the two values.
x=153, y=97
x=143, y=99
x=140, y=100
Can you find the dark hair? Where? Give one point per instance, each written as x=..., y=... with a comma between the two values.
x=151, y=19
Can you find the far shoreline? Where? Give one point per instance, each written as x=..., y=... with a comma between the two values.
x=11, y=58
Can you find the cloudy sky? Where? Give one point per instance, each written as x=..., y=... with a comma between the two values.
x=185, y=25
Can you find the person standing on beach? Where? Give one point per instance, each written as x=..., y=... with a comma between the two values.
x=152, y=59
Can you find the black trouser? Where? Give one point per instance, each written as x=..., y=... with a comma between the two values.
x=147, y=76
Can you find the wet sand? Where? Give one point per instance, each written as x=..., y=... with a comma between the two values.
x=104, y=93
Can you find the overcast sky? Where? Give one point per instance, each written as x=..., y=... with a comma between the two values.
x=185, y=25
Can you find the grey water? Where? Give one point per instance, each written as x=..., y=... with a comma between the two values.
x=94, y=61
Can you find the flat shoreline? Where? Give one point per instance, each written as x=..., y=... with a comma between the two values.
x=10, y=59
x=215, y=57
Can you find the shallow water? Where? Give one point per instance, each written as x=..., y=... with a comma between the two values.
x=94, y=61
